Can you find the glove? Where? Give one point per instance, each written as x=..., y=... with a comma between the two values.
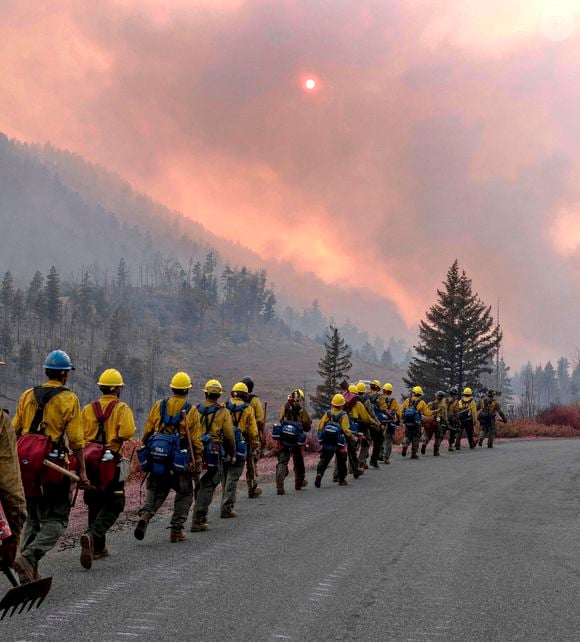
x=8, y=552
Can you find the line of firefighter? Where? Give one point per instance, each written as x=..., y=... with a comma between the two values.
x=232, y=432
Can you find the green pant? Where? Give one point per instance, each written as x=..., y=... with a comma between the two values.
x=207, y=485
x=284, y=455
x=437, y=434
x=251, y=470
x=388, y=442
x=104, y=510
x=377, y=435
x=47, y=520
x=487, y=430
x=231, y=474
x=412, y=435
x=326, y=456
x=363, y=453
x=158, y=487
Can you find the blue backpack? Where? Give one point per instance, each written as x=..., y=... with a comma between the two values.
x=354, y=425
x=212, y=453
x=289, y=433
x=411, y=416
x=165, y=452
x=241, y=445
x=331, y=436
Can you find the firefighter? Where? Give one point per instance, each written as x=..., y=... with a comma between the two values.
x=393, y=411
x=334, y=432
x=12, y=496
x=488, y=409
x=452, y=420
x=254, y=454
x=247, y=440
x=170, y=416
x=368, y=425
x=52, y=410
x=376, y=401
x=466, y=413
x=412, y=412
x=438, y=424
x=293, y=411
x=108, y=422
x=218, y=440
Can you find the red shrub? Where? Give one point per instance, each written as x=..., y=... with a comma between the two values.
x=528, y=428
x=561, y=416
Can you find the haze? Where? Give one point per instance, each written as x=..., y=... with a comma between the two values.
x=435, y=130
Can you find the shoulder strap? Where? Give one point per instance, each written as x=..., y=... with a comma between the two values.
x=206, y=412
x=102, y=418
x=42, y=395
x=172, y=420
x=236, y=411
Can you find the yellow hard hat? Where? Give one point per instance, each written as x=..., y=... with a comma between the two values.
x=110, y=378
x=467, y=392
x=213, y=387
x=240, y=387
x=180, y=381
x=417, y=390
x=388, y=387
x=376, y=383
x=352, y=388
x=338, y=401
x=300, y=393
x=361, y=387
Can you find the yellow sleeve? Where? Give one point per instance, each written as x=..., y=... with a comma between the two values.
x=228, y=433
x=282, y=414
x=74, y=427
x=127, y=428
x=259, y=413
x=323, y=421
x=423, y=409
x=195, y=431
x=345, y=425
x=396, y=407
x=11, y=490
x=17, y=420
x=251, y=427
x=364, y=415
x=305, y=420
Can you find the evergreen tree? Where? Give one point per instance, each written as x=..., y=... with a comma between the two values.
x=333, y=368
x=458, y=339
x=563, y=380
x=52, y=300
x=7, y=296
x=24, y=361
x=387, y=359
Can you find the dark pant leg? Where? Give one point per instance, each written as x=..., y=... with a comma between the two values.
x=158, y=487
x=341, y=464
x=207, y=485
x=325, y=457
x=299, y=467
x=251, y=470
x=104, y=509
x=233, y=472
x=469, y=433
x=352, y=455
x=389, y=436
x=282, y=466
x=52, y=511
x=183, y=486
x=378, y=436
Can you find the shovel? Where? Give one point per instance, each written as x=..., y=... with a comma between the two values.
x=23, y=595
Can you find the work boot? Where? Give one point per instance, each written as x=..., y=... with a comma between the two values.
x=343, y=482
x=87, y=551
x=423, y=449
x=227, y=514
x=386, y=460
x=297, y=484
x=404, y=451
x=451, y=449
x=304, y=483
x=358, y=473
x=366, y=466
x=177, y=536
x=24, y=568
x=318, y=481
x=280, y=490
x=141, y=527
x=457, y=447
x=335, y=477
x=435, y=452
x=480, y=442
x=255, y=492
x=490, y=445
x=414, y=456
x=97, y=555
x=198, y=525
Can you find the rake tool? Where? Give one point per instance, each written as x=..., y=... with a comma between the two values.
x=23, y=595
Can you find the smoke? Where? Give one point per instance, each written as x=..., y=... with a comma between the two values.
x=438, y=130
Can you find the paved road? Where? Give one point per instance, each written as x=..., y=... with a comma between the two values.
x=477, y=545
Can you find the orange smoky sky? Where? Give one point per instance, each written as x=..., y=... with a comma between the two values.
x=437, y=130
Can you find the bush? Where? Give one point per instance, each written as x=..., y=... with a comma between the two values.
x=528, y=428
x=560, y=416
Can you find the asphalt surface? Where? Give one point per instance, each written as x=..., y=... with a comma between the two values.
x=480, y=545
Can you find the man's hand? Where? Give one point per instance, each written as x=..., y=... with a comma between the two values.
x=83, y=483
x=8, y=550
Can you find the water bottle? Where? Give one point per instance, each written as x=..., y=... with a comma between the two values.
x=54, y=454
x=107, y=456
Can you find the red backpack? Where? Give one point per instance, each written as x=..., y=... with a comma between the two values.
x=100, y=468
x=34, y=447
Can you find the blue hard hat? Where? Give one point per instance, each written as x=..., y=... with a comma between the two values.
x=58, y=360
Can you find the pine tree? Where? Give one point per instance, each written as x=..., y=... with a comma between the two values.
x=7, y=296
x=387, y=359
x=458, y=339
x=333, y=368
x=24, y=361
x=52, y=299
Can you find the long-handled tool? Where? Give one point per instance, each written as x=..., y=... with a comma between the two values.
x=60, y=469
x=23, y=595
